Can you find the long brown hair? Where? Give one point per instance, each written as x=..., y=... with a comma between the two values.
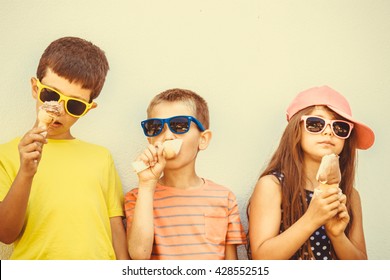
x=288, y=160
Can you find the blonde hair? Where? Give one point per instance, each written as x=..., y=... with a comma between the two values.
x=197, y=104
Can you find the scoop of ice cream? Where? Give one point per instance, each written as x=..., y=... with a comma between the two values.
x=329, y=170
x=48, y=113
x=172, y=148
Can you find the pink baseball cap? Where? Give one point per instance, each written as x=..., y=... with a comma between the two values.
x=336, y=102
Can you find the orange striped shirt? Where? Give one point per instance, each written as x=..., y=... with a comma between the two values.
x=192, y=224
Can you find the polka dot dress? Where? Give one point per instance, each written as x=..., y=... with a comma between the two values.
x=320, y=243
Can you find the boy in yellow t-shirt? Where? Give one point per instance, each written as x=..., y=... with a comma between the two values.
x=61, y=197
x=179, y=215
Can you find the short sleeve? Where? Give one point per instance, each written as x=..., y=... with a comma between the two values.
x=9, y=166
x=115, y=191
x=235, y=233
x=130, y=200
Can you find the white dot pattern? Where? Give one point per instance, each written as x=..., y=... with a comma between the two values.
x=320, y=243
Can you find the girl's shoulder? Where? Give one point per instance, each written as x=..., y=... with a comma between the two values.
x=278, y=175
x=267, y=195
x=268, y=185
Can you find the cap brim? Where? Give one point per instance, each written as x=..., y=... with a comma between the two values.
x=365, y=136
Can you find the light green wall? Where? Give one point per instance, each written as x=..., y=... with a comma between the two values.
x=246, y=58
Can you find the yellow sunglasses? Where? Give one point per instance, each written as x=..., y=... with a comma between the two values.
x=73, y=106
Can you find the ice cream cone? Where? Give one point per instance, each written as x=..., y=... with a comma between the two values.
x=44, y=119
x=139, y=166
x=328, y=174
x=48, y=113
x=171, y=149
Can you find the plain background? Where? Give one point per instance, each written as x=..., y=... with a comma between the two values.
x=248, y=59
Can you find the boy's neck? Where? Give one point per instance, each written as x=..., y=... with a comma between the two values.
x=62, y=136
x=181, y=181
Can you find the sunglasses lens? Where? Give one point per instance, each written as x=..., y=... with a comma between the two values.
x=48, y=95
x=76, y=107
x=152, y=127
x=341, y=128
x=179, y=125
x=314, y=124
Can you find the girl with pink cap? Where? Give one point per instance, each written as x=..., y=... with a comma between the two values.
x=288, y=217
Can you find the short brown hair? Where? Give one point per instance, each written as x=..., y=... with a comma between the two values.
x=192, y=99
x=76, y=60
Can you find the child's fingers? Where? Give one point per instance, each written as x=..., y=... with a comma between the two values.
x=343, y=215
x=148, y=156
x=160, y=149
x=33, y=149
x=343, y=212
x=160, y=153
x=342, y=207
x=343, y=198
x=332, y=200
x=325, y=192
x=331, y=191
x=38, y=129
x=31, y=145
x=32, y=136
x=334, y=206
x=151, y=155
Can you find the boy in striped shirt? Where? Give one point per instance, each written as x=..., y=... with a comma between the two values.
x=174, y=213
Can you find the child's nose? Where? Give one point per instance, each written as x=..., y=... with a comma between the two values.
x=62, y=103
x=328, y=130
x=167, y=133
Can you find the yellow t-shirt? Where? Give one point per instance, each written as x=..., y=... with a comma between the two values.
x=74, y=193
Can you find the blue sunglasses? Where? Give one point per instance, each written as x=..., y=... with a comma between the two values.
x=177, y=124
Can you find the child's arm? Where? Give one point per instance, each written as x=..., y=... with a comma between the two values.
x=140, y=235
x=264, y=223
x=13, y=207
x=352, y=246
x=119, y=238
x=265, y=217
x=231, y=252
